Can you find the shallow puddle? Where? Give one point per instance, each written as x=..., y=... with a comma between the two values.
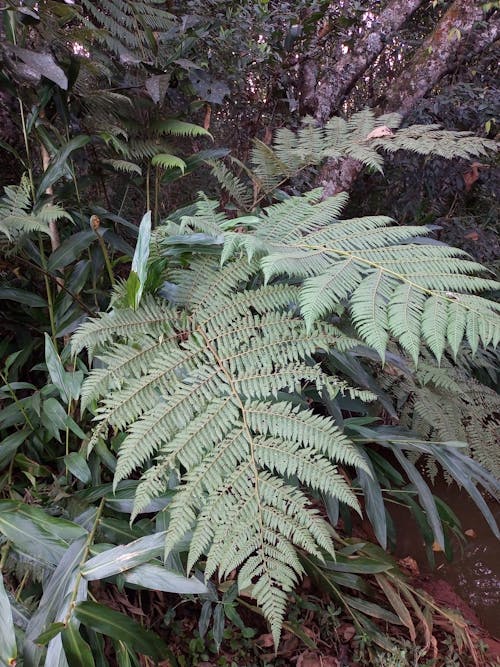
x=475, y=571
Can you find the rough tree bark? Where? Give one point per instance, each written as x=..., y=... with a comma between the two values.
x=455, y=38
x=333, y=88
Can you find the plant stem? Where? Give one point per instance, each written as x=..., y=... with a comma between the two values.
x=157, y=196
x=107, y=260
x=148, y=196
x=4, y=552
x=16, y=400
x=27, y=148
x=48, y=291
x=54, y=278
x=88, y=544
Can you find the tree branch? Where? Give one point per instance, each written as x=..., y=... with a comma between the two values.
x=341, y=78
x=454, y=39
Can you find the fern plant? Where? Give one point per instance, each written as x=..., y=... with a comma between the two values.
x=209, y=384
x=206, y=392
x=445, y=403
x=392, y=282
x=17, y=215
x=363, y=137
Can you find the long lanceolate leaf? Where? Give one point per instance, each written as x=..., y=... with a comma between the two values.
x=212, y=407
x=418, y=293
x=8, y=646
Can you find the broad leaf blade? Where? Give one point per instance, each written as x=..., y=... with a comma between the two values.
x=120, y=627
x=76, y=649
x=8, y=646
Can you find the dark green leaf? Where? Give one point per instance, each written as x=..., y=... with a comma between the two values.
x=120, y=627
x=205, y=616
x=10, y=444
x=218, y=626
x=42, y=64
x=8, y=646
x=76, y=649
x=374, y=501
x=77, y=465
x=58, y=164
x=22, y=296
x=71, y=249
x=52, y=631
x=424, y=493
x=56, y=370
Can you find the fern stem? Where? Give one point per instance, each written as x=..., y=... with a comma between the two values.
x=27, y=148
x=362, y=260
x=248, y=432
x=157, y=196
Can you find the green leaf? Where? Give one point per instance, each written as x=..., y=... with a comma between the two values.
x=180, y=127
x=58, y=164
x=54, y=417
x=375, y=506
x=372, y=609
x=424, y=493
x=22, y=296
x=35, y=532
x=120, y=627
x=124, y=557
x=157, y=578
x=8, y=646
x=76, y=649
x=168, y=161
x=139, y=273
x=10, y=445
x=57, y=594
x=71, y=249
x=52, y=631
x=77, y=465
x=63, y=380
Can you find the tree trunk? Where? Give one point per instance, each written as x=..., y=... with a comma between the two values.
x=454, y=39
x=340, y=79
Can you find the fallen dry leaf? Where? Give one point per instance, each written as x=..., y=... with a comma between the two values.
x=265, y=641
x=471, y=176
x=347, y=631
x=410, y=564
x=382, y=131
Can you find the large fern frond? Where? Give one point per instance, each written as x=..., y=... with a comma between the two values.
x=18, y=217
x=392, y=282
x=206, y=393
x=364, y=137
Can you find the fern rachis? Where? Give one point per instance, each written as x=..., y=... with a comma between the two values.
x=211, y=408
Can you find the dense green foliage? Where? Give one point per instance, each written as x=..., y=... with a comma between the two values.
x=199, y=422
